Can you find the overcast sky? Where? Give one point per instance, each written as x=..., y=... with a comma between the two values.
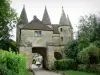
x=74, y=8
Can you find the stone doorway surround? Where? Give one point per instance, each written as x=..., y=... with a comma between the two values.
x=46, y=52
x=43, y=52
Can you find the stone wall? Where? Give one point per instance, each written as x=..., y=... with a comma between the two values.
x=27, y=51
x=37, y=41
x=56, y=38
x=50, y=57
x=66, y=33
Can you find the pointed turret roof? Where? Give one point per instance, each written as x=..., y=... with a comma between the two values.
x=46, y=18
x=64, y=20
x=68, y=21
x=23, y=16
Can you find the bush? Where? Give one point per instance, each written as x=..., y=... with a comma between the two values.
x=65, y=64
x=92, y=68
x=89, y=55
x=82, y=67
x=71, y=49
x=12, y=63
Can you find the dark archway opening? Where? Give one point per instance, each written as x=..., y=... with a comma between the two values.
x=57, y=55
x=43, y=52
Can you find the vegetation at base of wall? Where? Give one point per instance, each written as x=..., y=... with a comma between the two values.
x=65, y=64
x=71, y=49
x=12, y=63
x=95, y=68
x=29, y=73
x=90, y=55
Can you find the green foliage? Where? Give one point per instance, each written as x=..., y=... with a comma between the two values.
x=82, y=67
x=92, y=68
x=89, y=55
x=71, y=49
x=86, y=47
x=8, y=44
x=12, y=63
x=65, y=64
x=8, y=19
x=89, y=31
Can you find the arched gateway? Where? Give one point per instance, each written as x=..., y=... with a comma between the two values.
x=47, y=54
x=43, y=37
x=43, y=52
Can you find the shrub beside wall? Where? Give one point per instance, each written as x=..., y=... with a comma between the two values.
x=89, y=55
x=65, y=64
x=95, y=68
x=12, y=63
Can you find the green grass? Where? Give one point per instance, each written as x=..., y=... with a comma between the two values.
x=28, y=73
x=70, y=72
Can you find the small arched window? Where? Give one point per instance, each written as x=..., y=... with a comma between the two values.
x=61, y=29
x=61, y=38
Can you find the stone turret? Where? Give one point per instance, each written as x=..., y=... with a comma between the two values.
x=65, y=28
x=21, y=24
x=23, y=16
x=64, y=20
x=46, y=18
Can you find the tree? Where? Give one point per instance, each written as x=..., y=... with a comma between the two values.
x=8, y=44
x=7, y=19
x=89, y=31
x=89, y=55
x=71, y=49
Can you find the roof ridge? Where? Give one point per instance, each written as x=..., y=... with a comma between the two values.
x=36, y=24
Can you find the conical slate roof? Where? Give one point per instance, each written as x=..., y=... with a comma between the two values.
x=63, y=19
x=36, y=24
x=46, y=18
x=68, y=21
x=23, y=16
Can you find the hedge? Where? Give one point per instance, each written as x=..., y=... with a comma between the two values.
x=95, y=68
x=12, y=63
x=89, y=55
x=65, y=64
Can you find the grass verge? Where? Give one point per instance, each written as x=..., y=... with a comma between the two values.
x=70, y=72
x=29, y=73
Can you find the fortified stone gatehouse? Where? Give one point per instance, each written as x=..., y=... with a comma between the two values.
x=43, y=37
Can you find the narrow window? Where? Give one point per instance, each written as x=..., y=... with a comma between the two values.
x=61, y=38
x=61, y=29
x=38, y=33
